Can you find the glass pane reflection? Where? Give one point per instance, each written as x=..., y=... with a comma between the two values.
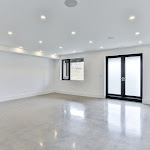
x=114, y=116
x=133, y=120
x=125, y=119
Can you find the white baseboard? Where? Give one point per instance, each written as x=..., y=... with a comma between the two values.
x=146, y=101
x=94, y=95
x=2, y=99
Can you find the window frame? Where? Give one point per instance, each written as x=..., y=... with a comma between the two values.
x=66, y=69
x=62, y=70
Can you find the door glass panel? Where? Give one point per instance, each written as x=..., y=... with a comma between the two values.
x=133, y=76
x=114, y=76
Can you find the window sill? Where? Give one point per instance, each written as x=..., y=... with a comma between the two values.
x=74, y=80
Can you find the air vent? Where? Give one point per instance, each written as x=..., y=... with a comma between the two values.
x=71, y=3
x=110, y=38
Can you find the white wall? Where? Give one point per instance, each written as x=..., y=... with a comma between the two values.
x=24, y=75
x=94, y=83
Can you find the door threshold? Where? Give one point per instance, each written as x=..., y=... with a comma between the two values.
x=125, y=98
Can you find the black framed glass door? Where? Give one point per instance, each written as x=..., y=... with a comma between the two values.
x=124, y=77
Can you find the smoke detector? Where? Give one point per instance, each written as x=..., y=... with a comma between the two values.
x=71, y=3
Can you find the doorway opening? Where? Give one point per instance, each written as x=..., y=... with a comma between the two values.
x=124, y=74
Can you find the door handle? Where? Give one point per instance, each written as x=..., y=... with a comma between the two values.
x=123, y=79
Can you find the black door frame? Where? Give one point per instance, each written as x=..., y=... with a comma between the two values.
x=123, y=96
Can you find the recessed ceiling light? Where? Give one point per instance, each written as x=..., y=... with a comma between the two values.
x=53, y=56
x=101, y=47
x=40, y=51
x=21, y=47
x=10, y=32
x=18, y=50
x=90, y=42
x=131, y=17
x=140, y=42
x=74, y=51
x=40, y=42
x=137, y=33
x=73, y=32
x=43, y=17
x=60, y=47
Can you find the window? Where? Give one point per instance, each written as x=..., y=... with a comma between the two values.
x=77, y=69
x=73, y=69
x=66, y=69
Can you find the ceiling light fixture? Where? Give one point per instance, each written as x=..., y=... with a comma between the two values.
x=90, y=42
x=53, y=56
x=43, y=17
x=71, y=3
x=40, y=42
x=21, y=47
x=60, y=47
x=131, y=17
x=140, y=42
x=101, y=47
x=74, y=51
x=137, y=33
x=73, y=33
x=40, y=51
x=10, y=32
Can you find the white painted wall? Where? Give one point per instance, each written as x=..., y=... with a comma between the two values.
x=24, y=75
x=94, y=83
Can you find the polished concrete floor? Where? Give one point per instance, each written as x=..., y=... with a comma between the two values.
x=64, y=122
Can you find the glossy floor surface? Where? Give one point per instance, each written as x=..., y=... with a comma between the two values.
x=64, y=122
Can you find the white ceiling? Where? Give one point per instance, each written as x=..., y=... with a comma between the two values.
x=92, y=20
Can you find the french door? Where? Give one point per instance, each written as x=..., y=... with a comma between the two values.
x=124, y=77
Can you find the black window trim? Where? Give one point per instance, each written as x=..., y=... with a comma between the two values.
x=66, y=69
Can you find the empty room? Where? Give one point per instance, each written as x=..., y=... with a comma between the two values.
x=74, y=75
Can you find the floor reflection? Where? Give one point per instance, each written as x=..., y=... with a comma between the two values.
x=133, y=120
x=75, y=110
x=114, y=117
x=124, y=118
x=55, y=134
